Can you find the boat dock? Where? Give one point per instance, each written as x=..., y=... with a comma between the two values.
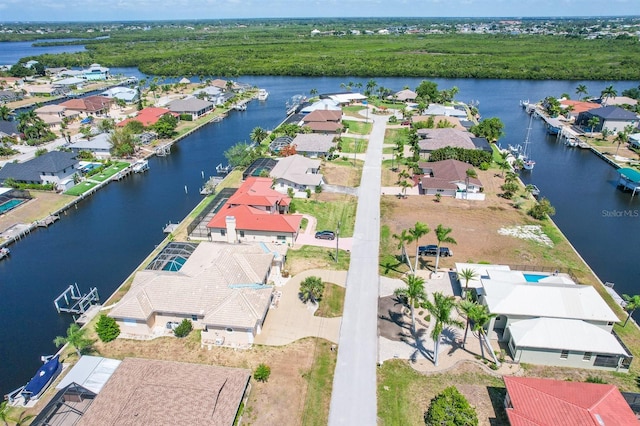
x=210, y=186
x=223, y=170
x=75, y=302
x=170, y=227
x=49, y=220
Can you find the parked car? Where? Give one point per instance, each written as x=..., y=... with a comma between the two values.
x=406, y=123
x=325, y=235
x=432, y=250
x=172, y=325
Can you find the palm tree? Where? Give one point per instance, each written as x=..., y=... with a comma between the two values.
x=370, y=87
x=608, y=92
x=418, y=231
x=5, y=112
x=621, y=138
x=4, y=415
x=440, y=309
x=313, y=92
x=442, y=234
x=479, y=316
x=467, y=275
x=404, y=238
x=311, y=289
x=414, y=293
x=581, y=90
x=632, y=303
x=404, y=185
x=465, y=307
x=75, y=337
x=593, y=123
x=258, y=134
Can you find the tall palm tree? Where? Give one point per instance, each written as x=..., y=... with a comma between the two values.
x=581, y=90
x=479, y=316
x=440, y=310
x=593, y=123
x=608, y=92
x=465, y=307
x=370, y=87
x=75, y=337
x=632, y=303
x=404, y=185
x=311, y=289
x=418, y=231
x=620, y=138
x=313, y=92
x=467, y=275
x=5, y=112
x=442, y=234
x=258, y=134
x=404, y=238
x=414, y=293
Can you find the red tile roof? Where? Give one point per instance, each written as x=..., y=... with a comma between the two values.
x=546, y=402
x=88, y=104
x=256, y=192
x=147, y=116
x=579, y=106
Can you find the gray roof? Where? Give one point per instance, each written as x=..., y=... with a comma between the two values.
x=189, y=105
x=9, y=127
x=612, y=113
x=97, y=143
x=311, y=142
x=298, y=169
x=51, y=162
x=433, y=139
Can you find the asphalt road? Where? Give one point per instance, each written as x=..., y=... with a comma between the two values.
x=353, y=401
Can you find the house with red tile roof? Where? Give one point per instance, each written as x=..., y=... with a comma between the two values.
x=147, y=116
x=576, y=107
x=91, y=105
x=255, y=213
x=545, y=402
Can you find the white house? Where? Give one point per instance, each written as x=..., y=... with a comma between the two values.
x=296, y=172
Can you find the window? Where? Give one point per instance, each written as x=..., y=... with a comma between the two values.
x=281, y=238
x=223, y=232
x=587, y=356
x=564, y=354
x=241, y=234
x=194, y=318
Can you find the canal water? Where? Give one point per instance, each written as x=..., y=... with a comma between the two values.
x=109, y=234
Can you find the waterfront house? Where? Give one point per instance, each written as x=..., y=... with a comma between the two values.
x=533, y=401
x=453, y=122
x=42, y=90
x=612, y=118
x=255, y=213
x=147, y=116
x=51, y=167
x=572, y=109
x=95, y=72
x=449, y=178
x=221, y=288
x=326, y=104
x=549, y=320
x=432, y=139
x=10, y=129
x=458, y=111
x=9, y=96
x=405, y=95
x=155, y=392
x=192, y=106
x=297, y=173
x=90, y=106
x=279, y=143
x=313, y=145
x=323, y=121
x=124, y=93
x=99, y=145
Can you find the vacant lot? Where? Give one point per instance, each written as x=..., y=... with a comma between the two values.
x=42, y=204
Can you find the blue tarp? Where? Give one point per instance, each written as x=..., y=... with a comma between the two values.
x=43, y=377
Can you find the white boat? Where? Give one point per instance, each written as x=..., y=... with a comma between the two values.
x=4, y=252
x=262, y=95
x=240, y=107
x=140, y=166
x=527, y=163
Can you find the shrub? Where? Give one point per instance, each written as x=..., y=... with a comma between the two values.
x=183, y=329
x=542, y=209
x=107, y=328
x=290, y=192
x=262, y=373
x=450, y=408
x=595, y=379
x=308, y=191
x=484, y=165
x=318, y=189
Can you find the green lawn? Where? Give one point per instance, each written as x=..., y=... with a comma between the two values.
x=319, y=257
x=351, y=145
x=332, y=302
x=110, y=171
x=357, y=127
x=320, y=380
x=81, y=188
x=328, y=214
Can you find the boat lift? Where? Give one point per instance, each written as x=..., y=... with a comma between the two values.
x=76, y=302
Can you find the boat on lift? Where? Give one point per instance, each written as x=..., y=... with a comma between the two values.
x=263, y=95
x=527, y=162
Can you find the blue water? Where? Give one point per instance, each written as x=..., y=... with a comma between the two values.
x=12, y=51
x=533, y=278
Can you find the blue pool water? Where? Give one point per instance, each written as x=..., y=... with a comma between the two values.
x=5, y=207
x=174, y=264
x=533, y=278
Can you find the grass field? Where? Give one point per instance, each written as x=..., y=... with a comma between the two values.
x=341, y=209
x=332, y=302
x=81, y=188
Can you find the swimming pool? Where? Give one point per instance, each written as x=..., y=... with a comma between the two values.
x=534, y=278
x=11, y=204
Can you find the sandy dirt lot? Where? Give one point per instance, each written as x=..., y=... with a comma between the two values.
x=40, y=206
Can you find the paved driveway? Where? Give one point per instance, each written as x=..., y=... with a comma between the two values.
x=311, y=240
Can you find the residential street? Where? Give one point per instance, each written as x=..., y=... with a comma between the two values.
x=353, y=400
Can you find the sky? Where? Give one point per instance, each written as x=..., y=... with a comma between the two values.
x=128, y=10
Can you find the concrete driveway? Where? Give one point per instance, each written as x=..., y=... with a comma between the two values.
x=290, y=319
x=311, y=240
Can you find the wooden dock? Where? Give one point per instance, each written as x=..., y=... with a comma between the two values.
x=49, y=220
